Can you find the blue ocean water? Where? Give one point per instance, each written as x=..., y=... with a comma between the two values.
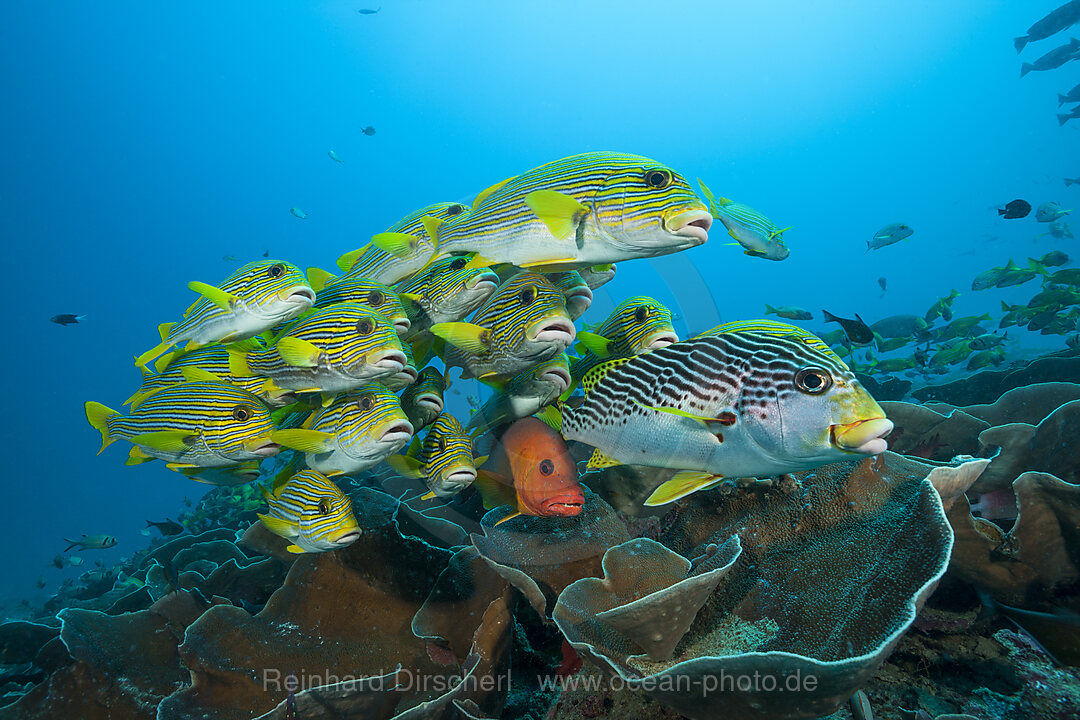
x=144, y=142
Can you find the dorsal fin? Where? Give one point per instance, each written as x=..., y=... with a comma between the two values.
x=597, y=373
x=488, y=192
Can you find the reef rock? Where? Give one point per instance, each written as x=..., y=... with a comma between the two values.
x=927, y=433
x=988, y=385
x=1027, y=404
x=1052, y=446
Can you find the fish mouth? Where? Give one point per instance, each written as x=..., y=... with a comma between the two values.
x=393, y=361
x=557, y=330
x=399, y=432
x=431, y=401
x=347, y=539
x=461, y=478
x=263, y=447
x=862, y=436
x=581, y=292
x=301, y=295
x=690, y=223
x=402, y=325
x=660, y=339
x=557, y=376
x=406, y=376
x=564, y=505
x=483, y=280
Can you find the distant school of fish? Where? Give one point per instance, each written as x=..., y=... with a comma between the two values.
x=1055, y=22
x=333, y=372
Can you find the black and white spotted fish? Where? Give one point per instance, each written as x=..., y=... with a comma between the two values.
x=731, y=405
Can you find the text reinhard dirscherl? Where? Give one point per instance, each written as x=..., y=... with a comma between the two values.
x=404, y=680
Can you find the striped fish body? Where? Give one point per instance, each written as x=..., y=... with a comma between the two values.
x=597, y=275
x=252, y=300
x=523, y=323
x=312, y=511
x=231, y=476
x=199, y=424
x=348, y=345
x=637, y=325
x=445, y=457
x=214, y=360
x=773, y=327
x=759, y=236
x=362, y=291
x=584, y=210
x=423, y=400
x=381, y=266
x=360, y=428
x=577, y=292
x=736, y=405
x=404, y=377
x=523, y=395
x=447, y=291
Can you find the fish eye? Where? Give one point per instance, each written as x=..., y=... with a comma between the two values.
x=241, y=413
x=365, y=326
x=658, y=179
x=375, y=298
x=546, y=467
x=459, y=263
x=454, y=210
x=276, y=271
x=324, y=507
x=366, y=403
x=641, y=314
x=441, y=444
x=527, y=295
x=813, y=381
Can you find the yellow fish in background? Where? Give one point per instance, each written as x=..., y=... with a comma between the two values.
x=444, y=458
x=423, y=400
x=381, y=298
x=590, y=209
x=636, y=325
x=310, y=510
x=251, y=301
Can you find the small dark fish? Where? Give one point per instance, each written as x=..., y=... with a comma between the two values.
x=166, y=527
x=1053, y=59
x=66, y=319
x=1072, y=181
x=922, y=355
x=369, y=11
x=369, y=130
x=1053, y=23
x=1015, y=209
x=172, y=575
x=1070, y=97
x=229, y=258
x=40, y=583
x=58, y=562
x=1071, y=115
x=266, y=252
x=881, y=283
x=857, y=331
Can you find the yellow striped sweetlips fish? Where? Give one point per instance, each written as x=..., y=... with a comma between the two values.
x=208, y=364
x=311, y=511
x=446, y=291
x=577, y=292
x=356, y=431
x=589, y=209
x=732, y=405
x=423, y=400
x=252, y=300
x=524, y=322
x=636, y=325
x=444, y=459
x=410, y=254
x=523, y=395
x=200, y=424
x=334, y=349
x=332, y=290
x=597, y=275
x=774, y=327
x=404, y=377
x=758, y=235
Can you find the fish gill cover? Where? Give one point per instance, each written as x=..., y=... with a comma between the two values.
x=671, y=361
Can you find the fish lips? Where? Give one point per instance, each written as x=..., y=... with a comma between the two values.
x=460, y=478
x=347, y=538
x=862, y=436
x=693, y=224
x=659, y=340
x=557, y=330
x=557, y=376
x=262, y=446
x=298, y=294
x=430, y=401
x=565, y=505
x=400, y=431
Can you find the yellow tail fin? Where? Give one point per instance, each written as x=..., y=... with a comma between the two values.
x=98, y=415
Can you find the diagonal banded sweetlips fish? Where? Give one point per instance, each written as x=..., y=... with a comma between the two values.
x=444, y=459
x=334, y=349
x=737, y=405
x=423, y=400
x=210, y=363
x=774, y=327
x=589, y=209
x=523, y=395
x=758, y=235
x=446, y=291
x=636, y=325
x=404, y=256
x=199, y=424
x=312, y=511
x=362, y=291
x=524, y=322
x=252, y=300
x=354, y=432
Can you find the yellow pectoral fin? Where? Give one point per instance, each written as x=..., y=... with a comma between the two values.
x=221, y=298
x=137, y=457
x=295, y=549
x=399, y=245
x=466, y=336
x=511, y=516
x=166, y=440
x=432, y=226
x=195, y=374
x=317, y=278
x=682, y=484
x=346, y=261
x=551, y=417
x=165, y=328
x=148, y=356
x=297, y=352
x=278, y=526
x=598, y=345
x=238, y=364
x=477, y=262
x=706, y=192
x=495, y=490
x=406, y=466
x=479, y=460
x=599, y=461
x=311, y=441
x=428, y=496
x=488, y=192
x=678, y=413
x=559, y=212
